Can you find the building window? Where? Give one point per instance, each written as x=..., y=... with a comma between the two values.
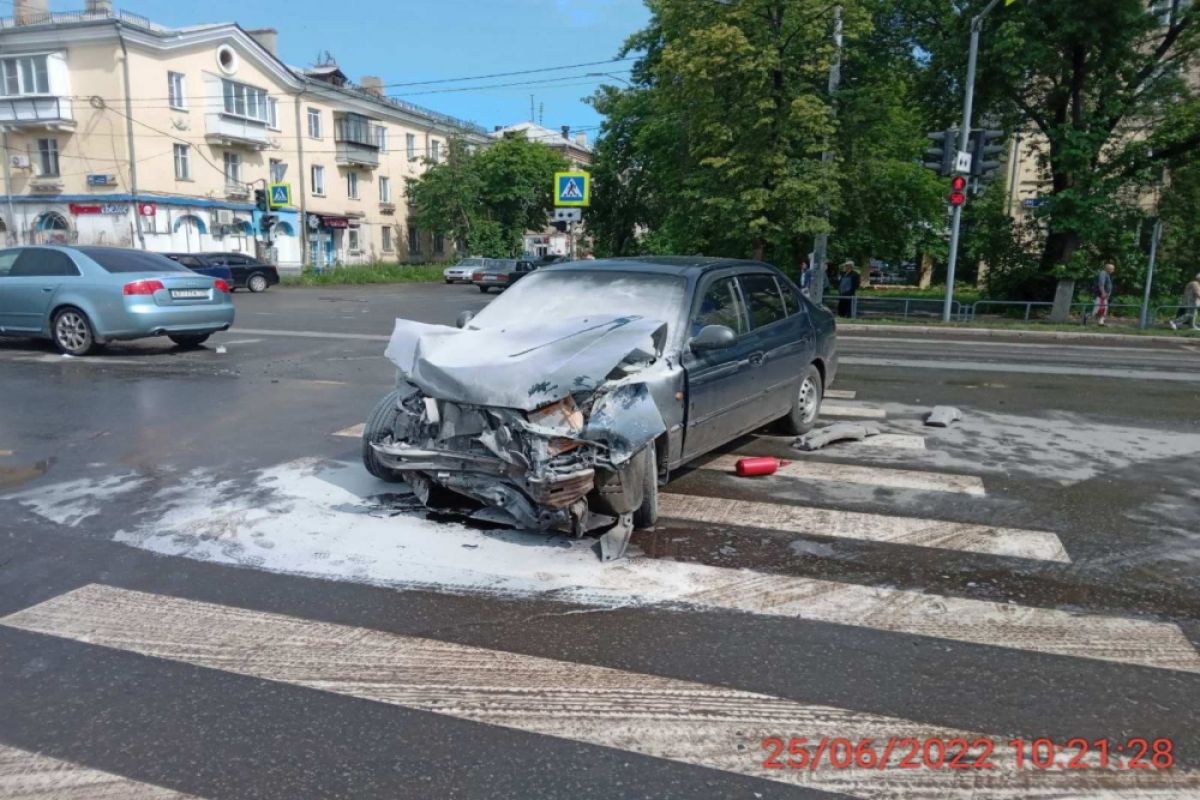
x=248, y=102
x=318, y=180
x=381, y=138
x=385, y=190
x=175, y=93
x=352, y=185
x=435, y=151
x=233, y=169
x=314, y=124
x=410, y=144
x=439, y=244
x=48, y=157
x=24, y=75
x=352, y=240
x=387, y=238
x=273, y=113
x=414, y=241
x=183, y=163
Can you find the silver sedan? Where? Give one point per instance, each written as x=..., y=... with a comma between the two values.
x=83, y=297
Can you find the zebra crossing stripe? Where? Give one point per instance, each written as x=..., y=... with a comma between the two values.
x=835, y=408
x=912, y=531
x=31, y=776
x=683, y=721
x=880, y=477
x=353, y=432
x=841, y=394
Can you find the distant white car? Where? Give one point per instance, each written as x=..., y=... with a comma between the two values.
x=463, y=270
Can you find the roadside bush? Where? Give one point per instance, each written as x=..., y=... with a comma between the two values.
x=367, y=273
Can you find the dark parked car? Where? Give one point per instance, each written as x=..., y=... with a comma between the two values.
x=567, y=401
x=500, y=273
x=246, y=272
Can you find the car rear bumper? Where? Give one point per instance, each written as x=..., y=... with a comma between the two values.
x=143, y=320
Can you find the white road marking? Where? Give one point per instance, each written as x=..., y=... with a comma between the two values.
x=912, y=531
x=896, y=441
x=840, y=394
x=834, y=408
x=1028, y=369
x=6, y=452
x=353, y=432
x=683, y=721
x=241, y=341
x=868, y=476
x=1058, y=346
x=368, y=337
x=31, y=776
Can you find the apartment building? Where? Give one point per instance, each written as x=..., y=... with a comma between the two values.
x=116, y=130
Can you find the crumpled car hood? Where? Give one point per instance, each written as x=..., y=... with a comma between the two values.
x=520, y=367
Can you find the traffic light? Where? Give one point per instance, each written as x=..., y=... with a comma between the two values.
x=268, y=221
x=958, y=191
x=940, y=157
x=986, y=148
x=260, y=200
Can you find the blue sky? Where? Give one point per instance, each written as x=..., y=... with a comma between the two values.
x=406, y=41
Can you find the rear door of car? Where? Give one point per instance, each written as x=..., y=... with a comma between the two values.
x=34, y=279
x=780, y=341
x=240, y=266
x=717, y=395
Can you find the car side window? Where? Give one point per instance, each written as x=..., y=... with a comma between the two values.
x=721, y=305
x=190, y=262
x=763, y=299
x=7, y=259
x=42, y=263
x=237, y=261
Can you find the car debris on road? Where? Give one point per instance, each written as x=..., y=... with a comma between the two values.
x=838, y=432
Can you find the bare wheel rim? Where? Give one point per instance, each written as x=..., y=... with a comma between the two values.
x=71, y=330
x=808, y=400
x=258, y=283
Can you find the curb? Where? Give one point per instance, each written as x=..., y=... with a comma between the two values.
x=1017, y=333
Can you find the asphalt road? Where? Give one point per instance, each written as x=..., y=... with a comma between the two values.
x=201, y=592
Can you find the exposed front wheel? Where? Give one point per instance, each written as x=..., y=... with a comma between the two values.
x=806, y=405
x=380, y=426
x=72, y=332
x=257, y=283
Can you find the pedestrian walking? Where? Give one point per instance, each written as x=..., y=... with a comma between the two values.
x=1191, y=305
x=1102, y=292
x=806, y=271
x=847, y=288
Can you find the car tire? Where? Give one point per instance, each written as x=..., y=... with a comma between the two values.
x=449, y=281
x=806, y=404
x=257, y=283
x=188, y=339
x=72, y=332
x=380, y=424
x=645, y=515
x=483, y=289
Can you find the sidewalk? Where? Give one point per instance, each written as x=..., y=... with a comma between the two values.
x=1093, y=334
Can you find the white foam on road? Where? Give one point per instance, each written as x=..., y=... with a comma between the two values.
x=887, y=529
x=353, y=432
x=31, y=776
x=71, y=502
x=692, y=723
x=836, y=408
x=316, y=523
x=882, y=477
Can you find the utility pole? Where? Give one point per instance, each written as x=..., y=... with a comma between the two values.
x=1154, y=239
x=964, y=141
x=821, y=243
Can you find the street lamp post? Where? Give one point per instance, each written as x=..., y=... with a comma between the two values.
x=821, y=241
x=964, y=141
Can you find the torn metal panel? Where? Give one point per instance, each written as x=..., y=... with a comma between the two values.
x=521, y=368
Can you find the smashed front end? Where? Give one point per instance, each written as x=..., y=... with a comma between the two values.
x=542, y=428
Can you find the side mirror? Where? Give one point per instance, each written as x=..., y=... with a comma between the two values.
x=464, y=317
x=713, y=337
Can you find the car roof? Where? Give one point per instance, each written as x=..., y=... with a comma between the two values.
x=687, y=266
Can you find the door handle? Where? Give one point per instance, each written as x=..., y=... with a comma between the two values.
x=756, y=359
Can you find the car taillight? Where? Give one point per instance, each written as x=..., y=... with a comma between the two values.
x=221, y=286
x=143, y=287
x=501, y=277
x=478, y=276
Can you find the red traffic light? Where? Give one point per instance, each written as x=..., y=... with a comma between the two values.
x=958, y=191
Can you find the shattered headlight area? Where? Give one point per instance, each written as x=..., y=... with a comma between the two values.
x=571, y=459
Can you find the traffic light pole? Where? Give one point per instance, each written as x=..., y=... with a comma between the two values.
x=821, y=241
x=964, y=141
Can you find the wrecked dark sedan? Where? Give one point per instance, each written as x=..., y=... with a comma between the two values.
x=568, y=401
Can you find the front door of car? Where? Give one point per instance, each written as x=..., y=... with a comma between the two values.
x=32, y=282
x=781, y=344
x=716, y=378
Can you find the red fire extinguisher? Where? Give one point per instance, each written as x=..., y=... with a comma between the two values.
x=750, y=467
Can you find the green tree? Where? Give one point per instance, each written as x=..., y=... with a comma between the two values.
x=448, y=198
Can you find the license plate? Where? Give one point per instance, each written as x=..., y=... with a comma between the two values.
x=490, y=278
x=189, y=294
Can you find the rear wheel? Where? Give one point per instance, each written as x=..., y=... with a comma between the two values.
x=257, y=283
x=188, y=339
x=72, y=332
x=483, y=289
x=381, y=425
x=806, y=405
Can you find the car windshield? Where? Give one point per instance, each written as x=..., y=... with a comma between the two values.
x=569, y=293
x=114, y=259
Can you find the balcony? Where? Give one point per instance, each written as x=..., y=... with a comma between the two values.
x=37, y=112
x=356, y=142
x=228, y=130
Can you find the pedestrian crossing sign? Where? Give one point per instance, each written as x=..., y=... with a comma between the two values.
x=280, y=194
x=572, y=189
